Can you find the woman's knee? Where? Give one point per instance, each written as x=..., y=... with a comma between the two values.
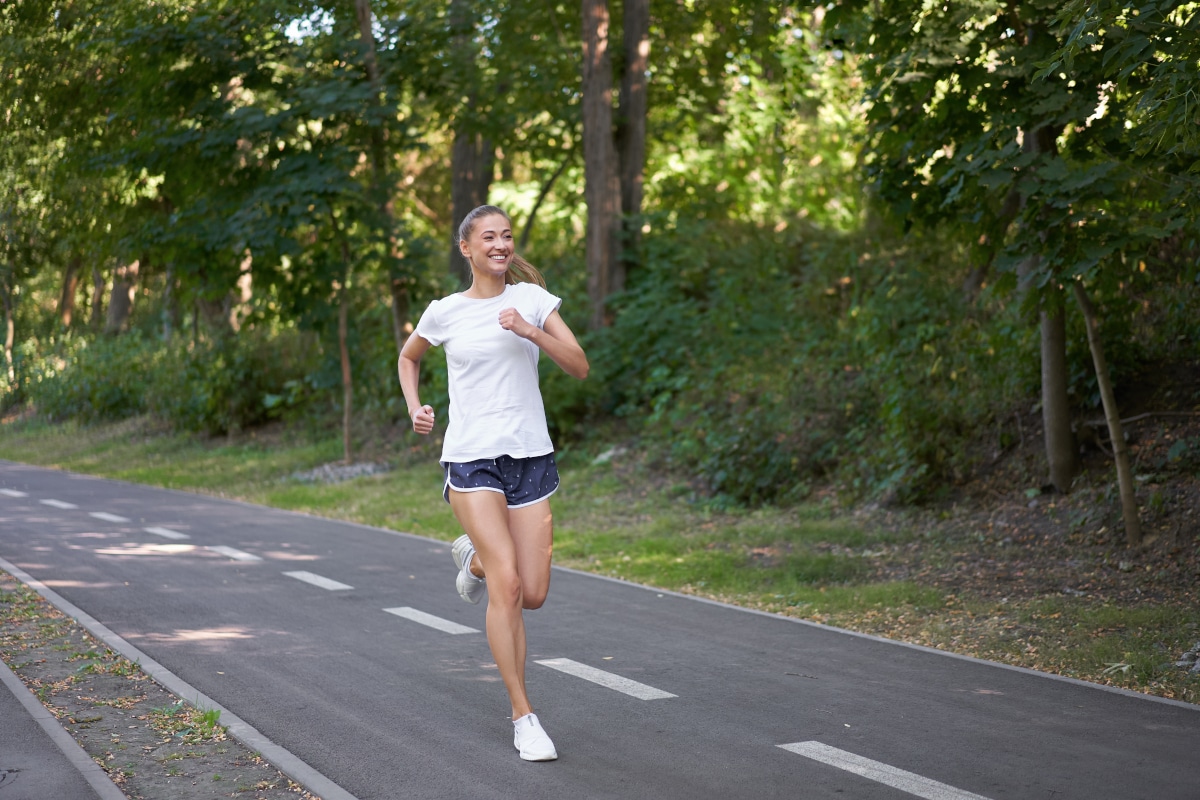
x=505, y=588
x=533, y=593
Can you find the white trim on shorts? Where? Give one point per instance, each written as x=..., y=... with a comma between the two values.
x=450, y=487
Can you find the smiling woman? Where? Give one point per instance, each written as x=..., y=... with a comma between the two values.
x=497, y=453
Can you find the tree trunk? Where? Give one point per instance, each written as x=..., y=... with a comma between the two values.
x=1061, y=447
x=546, y=187
x=170, y=312
x=9, y=329
x=381, y=188
x=120, y=303
x=602, y=183
x=471, y=166
x=97, y=316
x=631, y=129
x=343, y=301
x=1062, y=450
x=347, y=377
x=240, y=306
x=66, y=303
x=472, y=156
x=1129, y=508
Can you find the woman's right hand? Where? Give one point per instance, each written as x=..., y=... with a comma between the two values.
x=422, y=419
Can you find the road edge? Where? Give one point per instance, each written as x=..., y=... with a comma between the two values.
x=92, y=772
x=278, y=756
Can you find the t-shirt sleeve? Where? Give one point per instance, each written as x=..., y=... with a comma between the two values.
x=429, y=328
x=547, y=304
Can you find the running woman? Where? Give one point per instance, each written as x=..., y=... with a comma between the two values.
x=497, y=454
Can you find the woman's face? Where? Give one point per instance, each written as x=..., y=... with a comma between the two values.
x=489, y=246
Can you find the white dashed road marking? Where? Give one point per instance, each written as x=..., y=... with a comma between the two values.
x=607, y=679
x=167, y=533
x=880, y=773
x=444, y=625
x=234, y=553
x=13, y=493
x=317, y=580
x=104, y=515
x=58, y=504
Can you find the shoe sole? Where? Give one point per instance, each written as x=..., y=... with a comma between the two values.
x=459, y=550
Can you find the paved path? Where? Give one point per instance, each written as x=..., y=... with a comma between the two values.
x=343, y=653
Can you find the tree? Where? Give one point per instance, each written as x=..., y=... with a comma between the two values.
x=382, y=184
x=472, y=151
x=1035, y=169
x=631, y=124
x=614, y=143
x=602, y=178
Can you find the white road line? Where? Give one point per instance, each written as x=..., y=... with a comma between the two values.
x=607, y=679
x=104, y=515
x=444, y=625
x=166, y=533
x=317, y=580
x=879, y=772
x=234, y=553
x=13, y=493
x=58, y=503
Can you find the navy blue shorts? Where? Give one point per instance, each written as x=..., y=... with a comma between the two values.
x=522, y=481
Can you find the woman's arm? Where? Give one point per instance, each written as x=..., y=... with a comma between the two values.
x=409, y=366
x=554, y=338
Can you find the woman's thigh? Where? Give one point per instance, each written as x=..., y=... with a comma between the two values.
x=484, y=516
x=532, y=529
x=513, y=543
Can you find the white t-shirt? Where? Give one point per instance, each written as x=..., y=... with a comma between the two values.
x=495, y=404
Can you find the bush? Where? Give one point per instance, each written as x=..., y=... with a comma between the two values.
x=762, y=363
x=216, y=386
x=234, y=382
x=88, y=380
x=707, y=359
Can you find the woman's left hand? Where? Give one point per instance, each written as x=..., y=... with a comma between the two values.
x=511, y=320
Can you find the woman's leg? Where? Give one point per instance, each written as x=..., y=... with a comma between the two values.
x=532, y=530
x=513, y=548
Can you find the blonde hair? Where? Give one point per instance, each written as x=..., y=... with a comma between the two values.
x=519, y=270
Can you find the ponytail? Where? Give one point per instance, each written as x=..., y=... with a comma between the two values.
x=521, y=271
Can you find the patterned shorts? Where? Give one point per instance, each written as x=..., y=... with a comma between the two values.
x=522, y=481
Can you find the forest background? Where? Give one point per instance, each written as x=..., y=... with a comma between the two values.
x=884, y=258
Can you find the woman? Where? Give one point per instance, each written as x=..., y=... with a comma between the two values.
x=497, y=454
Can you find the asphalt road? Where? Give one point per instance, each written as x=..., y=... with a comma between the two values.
x=346, y=649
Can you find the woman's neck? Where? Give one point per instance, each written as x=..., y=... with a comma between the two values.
x=484, y=287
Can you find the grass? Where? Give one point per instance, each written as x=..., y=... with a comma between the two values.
x=612, y=520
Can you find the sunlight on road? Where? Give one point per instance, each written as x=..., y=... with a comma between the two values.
x=181, y=636
x=148, y=550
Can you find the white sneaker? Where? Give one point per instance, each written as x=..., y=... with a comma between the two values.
x=531, y=741
x=469, y=587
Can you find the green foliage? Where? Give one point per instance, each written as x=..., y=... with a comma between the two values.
x=102, y=379
x=1151, y=52
x=773, y=336
x=691, y=361
x=233, y=383
x=214, y=387
x=764, y=364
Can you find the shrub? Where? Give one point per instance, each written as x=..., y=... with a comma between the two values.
x=102, y=378
x=234, y=382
